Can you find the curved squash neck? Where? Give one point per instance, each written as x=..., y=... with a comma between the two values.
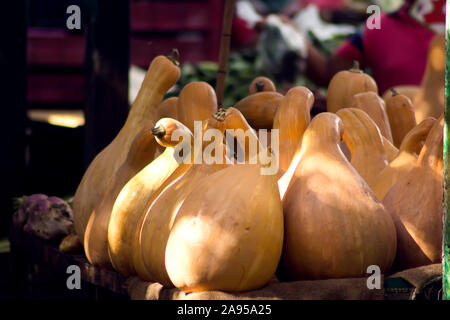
x=323, y=138
x=432, y=152
x=141, y=109
x=361, y=134
x=360, y=145
x=412, y=142
x=161, y=75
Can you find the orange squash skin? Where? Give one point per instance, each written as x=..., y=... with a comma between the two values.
x=408, y=90
x=375, y=107
x=291, y=120
x=259, y=108
x=345, y=84
x=405, y=160
x=130, y=204
x=334, y=225
x=260, y=84
x=401, y=116
x=365, y=143
x=197, y=102
x=390, y=150
x=243, y=134
x=229, y=240
x=167, y=109
x=162, y=74
x=416, y=205
x=162, y=211
x=96, y=239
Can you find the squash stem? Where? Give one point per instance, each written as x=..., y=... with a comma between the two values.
x=259, y=86
x=219, y=115
x=175, y=57
x=356, y=67
x=159, y=131
x=394, y=92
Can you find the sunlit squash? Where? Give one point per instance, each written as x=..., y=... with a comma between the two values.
x=259, y=108
x=430, y=100
x=260, y=84
x=132, y=200
x=167, y=109
x=291, y=120
x=96, y=235
x=183, y=167
x=375, y=107
x=242, y=140
x=416, y=205
x=405, y=160
x=345, y=84
x=162, y=211
x=401, y=116
x=364, y=141
x=334, y=225
x=390, y=150
x=408, y=90
x=162, y=74
x=227, y=236
x=197, y=102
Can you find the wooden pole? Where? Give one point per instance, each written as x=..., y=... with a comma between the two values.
x=224, y=50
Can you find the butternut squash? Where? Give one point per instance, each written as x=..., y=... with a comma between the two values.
x=346, y=151
x=197, y=102
x=291, y=120
x=405, y=160
x=242, y=135
x=162, y=74
x=364, y=141
x=334, y=225
x=430, y=100
x=401, y=116
x=416, y=205
x=227, y=236
x=260, y=84
x=408, y=90
x=390, y=150
x=133, y=198
x=159, y=217
x=167, y=109
x=138, y=260
x=345, y=84
x=259, y=108
x=290, y=126
x=96, y=234
x=375, y=107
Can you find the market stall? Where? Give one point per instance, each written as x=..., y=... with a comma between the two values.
x=303, y=178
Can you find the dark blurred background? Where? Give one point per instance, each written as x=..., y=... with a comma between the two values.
x=51, y=75
x=64, y=94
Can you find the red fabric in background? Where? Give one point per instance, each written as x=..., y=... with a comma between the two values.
x=396, y=53
x=242, y=35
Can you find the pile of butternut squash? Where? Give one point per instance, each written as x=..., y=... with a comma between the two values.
x=357, y=186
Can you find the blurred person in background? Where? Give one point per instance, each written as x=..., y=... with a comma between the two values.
x=395, y=53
